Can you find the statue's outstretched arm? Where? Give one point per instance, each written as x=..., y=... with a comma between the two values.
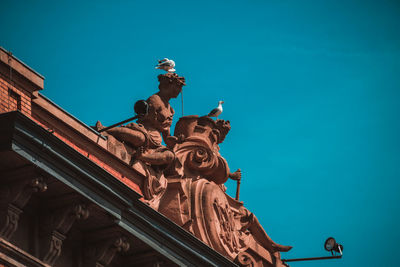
x=155, y=158
x=124, y=134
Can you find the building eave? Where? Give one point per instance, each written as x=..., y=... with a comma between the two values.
x=41, y=148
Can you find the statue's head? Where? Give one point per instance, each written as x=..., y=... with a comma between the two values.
x=158, y=116
x=170, y=84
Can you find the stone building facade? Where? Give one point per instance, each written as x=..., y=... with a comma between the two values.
x=72, y=196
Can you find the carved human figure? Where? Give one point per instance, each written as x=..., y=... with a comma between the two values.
x=143, y=140
x=160, y=112
x=183, y=180
x=147, y=135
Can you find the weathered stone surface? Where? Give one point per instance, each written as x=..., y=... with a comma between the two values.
x=55, y=169
x=13, y=198
x=185, y=179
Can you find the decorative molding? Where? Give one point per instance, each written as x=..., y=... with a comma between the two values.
x=14, y=197
x=11, y=221
x=15, y=256
x=25, y=138
x=62, y=221
x=55, y=247
x=101, y=253
x=245, y=259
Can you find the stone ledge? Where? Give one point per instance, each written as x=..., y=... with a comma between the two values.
x=21, y=68
x=18, y=257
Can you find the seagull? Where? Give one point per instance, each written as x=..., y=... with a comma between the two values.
x=216, y=111
x=166, y=64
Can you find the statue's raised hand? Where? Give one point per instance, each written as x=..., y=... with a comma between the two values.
x=237, y=175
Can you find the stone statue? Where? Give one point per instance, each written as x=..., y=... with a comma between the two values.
x=184, y=179
x=147, y=133
x=142, y=141
x=196, y=200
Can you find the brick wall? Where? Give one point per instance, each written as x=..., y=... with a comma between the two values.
x=13, y=97
x=18, y=84
x=18, y=91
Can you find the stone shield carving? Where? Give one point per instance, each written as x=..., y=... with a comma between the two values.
x=214, y=219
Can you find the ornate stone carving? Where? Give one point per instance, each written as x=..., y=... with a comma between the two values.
x=101, y=253
x=245, y=259
x=195, y=196
x=147, y=133
x=143, y=140
x=61, y=222
x=227, y=224
x=14, y=197
x=185, y=179
x=11, y=221
x=196, y=150
x=214, y=219
x=55, y=247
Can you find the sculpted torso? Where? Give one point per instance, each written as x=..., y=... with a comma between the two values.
x=145, y=136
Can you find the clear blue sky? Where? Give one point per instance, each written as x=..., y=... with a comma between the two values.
x=311, y=88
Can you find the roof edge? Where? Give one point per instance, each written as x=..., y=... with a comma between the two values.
x=7, y=58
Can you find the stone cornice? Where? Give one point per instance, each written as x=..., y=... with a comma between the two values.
x=17, y=256
x=39, y=147
x=21, y=73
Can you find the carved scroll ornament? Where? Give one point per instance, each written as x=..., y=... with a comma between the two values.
x=101, y=253
x=195, y=200
x=15, y=196
x=61, y=222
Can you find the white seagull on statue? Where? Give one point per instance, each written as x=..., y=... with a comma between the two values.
x=216, y=111
x=166, y=64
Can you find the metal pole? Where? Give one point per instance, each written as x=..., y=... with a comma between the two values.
x=117, y=124
x=313, y=258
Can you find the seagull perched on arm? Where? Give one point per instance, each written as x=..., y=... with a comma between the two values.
x=166, y=64
x=216, y=111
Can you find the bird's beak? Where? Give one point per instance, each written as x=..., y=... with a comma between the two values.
x=222, y=102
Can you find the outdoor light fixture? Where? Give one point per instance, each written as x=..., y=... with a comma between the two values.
x=141, y=108
x=330, y=245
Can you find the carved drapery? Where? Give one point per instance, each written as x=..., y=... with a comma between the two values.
x=196, y=149
x=196, y=158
